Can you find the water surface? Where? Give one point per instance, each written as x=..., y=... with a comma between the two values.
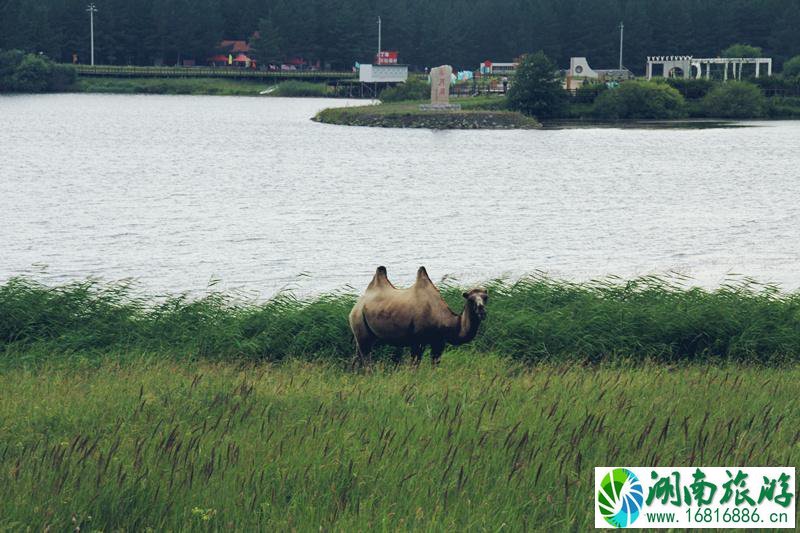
x=176, y=191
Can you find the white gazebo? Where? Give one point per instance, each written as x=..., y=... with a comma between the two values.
x=695, y=67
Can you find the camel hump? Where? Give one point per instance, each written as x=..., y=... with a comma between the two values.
x=422, y=276
x=380, y=278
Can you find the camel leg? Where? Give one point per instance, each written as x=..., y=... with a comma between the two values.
x=397, y=356
x=436, y=353
x=364, y=346
x=416, y=354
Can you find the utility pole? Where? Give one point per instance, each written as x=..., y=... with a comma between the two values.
x=92, y=10
x=621, y=30
x=379, y=36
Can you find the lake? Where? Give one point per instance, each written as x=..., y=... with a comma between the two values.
x=247, y=193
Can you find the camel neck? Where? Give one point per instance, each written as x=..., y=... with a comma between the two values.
x=466, y=325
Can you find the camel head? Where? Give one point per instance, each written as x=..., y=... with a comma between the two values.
x=477, y=300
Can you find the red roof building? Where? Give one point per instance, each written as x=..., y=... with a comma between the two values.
x=234, y=47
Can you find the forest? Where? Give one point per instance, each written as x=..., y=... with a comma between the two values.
x=425, y=32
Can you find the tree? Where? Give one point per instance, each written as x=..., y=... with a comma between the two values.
x=742, y=50
x=640, y=100
x=792, y=67
x=32, y=75
x=9, y=61
x=267, y=47
x=735, y=99
x=536, y=89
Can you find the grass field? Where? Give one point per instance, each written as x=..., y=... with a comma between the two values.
x=476, y=444
x=122, y=411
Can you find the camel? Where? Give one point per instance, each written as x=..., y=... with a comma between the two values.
x=415, y=317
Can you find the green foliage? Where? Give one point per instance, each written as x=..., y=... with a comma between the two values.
x=300, y=88
x=742, y=50
x=778, y=83
x=692, y=88
x=792, y=67
x=32, y=73
x=735, y=99
x=210, y=86
x=536, y=88
x=640, y=100
x=413, y=89
x=159, y=446
x=9, y=61
x=783, y=107
x=534, y=319
x=62, y=77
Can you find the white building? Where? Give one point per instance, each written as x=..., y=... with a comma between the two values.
x=383, y=73
x=580, y=72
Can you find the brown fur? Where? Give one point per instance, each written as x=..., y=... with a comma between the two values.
x=415, y=317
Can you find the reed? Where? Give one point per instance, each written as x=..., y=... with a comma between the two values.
x=534, y=319
x=480, y=443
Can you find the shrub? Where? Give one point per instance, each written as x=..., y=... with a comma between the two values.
x=783, y=107
x=588, y=92
x=62, y=77
x=692, y=88
x=32, y=75
x=640, y=100
x=792, y=67
x=9, y=61
x=413, y=89
x=536, y=89
x=735, y=99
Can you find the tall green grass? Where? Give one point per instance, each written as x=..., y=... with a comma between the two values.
x=193, y=86
x=478, y=444
x=301, y=88
x=534, y=319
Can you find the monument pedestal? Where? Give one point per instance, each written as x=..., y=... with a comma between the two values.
x=440, y=107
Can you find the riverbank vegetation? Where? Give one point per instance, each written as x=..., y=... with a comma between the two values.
x=32, y=73
x=478, y=443
x=199, y=86
x=640, y=100
x=195, y=86
x=535, y=319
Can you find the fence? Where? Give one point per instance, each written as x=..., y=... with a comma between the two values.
x=207, y=72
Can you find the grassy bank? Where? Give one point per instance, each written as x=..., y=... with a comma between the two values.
x=195, y=86
x=477, y=444
x=198, y=86
x=535, y=319
x=475, y=113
